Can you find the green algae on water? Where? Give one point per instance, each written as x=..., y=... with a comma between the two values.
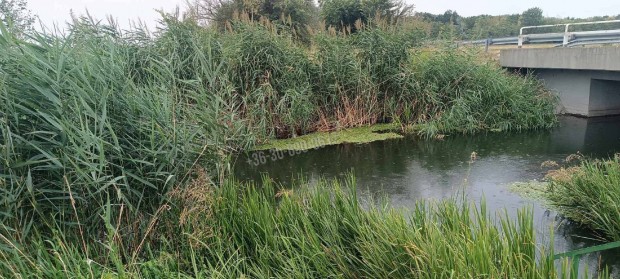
x=353, y=135
x=534, y=189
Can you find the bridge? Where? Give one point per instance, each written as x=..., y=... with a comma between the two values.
x=568, y=38
x=587, y=80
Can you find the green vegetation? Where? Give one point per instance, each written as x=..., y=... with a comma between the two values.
x=15, y=13
x=284, y=89
x=115, y=147
x=350, y=14
x=321, y=231
x=292, y=16
x=535, y=190
x=590, y=195
x=300, y=17
x=451, y=25
x=91, y=121
x=482, y=98
x=532, y=17
x=353, y=135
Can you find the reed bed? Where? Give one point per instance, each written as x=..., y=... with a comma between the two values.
x=376, y=75
x=80, y=128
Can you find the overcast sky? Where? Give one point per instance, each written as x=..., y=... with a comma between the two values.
x=57, y=11
x=555, y=8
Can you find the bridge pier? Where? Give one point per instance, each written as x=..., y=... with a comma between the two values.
x=586, y=80
x=582, y=92
x=604, y=97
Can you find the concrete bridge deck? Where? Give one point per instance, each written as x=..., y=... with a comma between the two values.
x=587, y=80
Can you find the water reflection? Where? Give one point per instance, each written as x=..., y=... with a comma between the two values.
x=410, y=169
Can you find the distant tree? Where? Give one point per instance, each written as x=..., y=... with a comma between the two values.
x=342, y=13
x=426, y=16
x=531, y=17
x=204, y=12
x=493, y=27
x=345, y=13
x=389, y=10
x=15, y=15
x=450, y=17
x=295, y=13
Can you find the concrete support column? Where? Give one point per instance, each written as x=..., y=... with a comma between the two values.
x=587, y=80
x=604, y=97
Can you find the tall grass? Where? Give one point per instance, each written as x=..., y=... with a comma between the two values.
x=466, y=94
x=375, y=75
x=321, y=231
x=590, y=195
x=80, y=129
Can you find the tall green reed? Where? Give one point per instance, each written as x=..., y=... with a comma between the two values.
x=374, y=75
x=590, y=195
x=81, y=128
x=464, y=94
x=323, y=230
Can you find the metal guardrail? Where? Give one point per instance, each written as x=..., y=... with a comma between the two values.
x=575, y=255
x=565, y=39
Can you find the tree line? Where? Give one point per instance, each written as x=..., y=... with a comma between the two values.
x=301, y=16
x=451, y=24
x=348, y=15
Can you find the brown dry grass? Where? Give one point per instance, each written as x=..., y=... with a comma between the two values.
x=351, y=114
x=563, y=174
x=195, y=202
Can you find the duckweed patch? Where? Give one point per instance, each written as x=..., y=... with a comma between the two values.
x=357, y=135
x=534, y=189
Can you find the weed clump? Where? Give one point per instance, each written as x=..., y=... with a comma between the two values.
x=590, y=195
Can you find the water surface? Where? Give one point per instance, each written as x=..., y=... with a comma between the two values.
x=410, y=169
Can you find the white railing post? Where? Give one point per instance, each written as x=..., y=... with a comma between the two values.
x=520, y=39
x=567, y=36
